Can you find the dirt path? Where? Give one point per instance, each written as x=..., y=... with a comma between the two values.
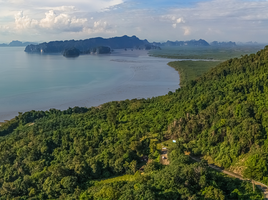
x=263, y=187
x=220, y=169
x=164, y=160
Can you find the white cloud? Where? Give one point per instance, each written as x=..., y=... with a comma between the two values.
x=226, y=10
x=24, y=22
x=224, y=20
x=60, y=8
x=168, y=17
x=99, y=27
x=83, y=5
x=63, y=22
x=52, y=22
x=100, y=24
x=4, y=29
x=16, y=1
x=208, y=19
x=180, y=20
x=187, y=31
x=45, y=19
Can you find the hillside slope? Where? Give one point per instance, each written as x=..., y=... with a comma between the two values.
x=223, y=115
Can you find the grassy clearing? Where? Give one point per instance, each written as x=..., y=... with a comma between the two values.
x=167, y=144
x=127, y=178
x=190, y=70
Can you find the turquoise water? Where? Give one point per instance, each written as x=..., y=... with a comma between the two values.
x=40, y=82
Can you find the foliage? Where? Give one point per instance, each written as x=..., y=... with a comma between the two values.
x=182, y=179
x=222, y=114
x=190, y=70
x=73, y=52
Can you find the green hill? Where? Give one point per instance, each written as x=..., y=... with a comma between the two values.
x=222, y=115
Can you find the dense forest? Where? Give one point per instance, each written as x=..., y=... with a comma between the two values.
x=222, y=115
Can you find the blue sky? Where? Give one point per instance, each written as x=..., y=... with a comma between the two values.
x=155, y=20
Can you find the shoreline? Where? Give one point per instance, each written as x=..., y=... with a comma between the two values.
x=121, y=93
x=122, y=57
x=146, y=77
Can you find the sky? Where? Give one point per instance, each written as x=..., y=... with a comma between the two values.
x=154, y=20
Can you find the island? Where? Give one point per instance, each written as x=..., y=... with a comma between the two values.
x=124, y=42
x=73, y=52
x=16, y=43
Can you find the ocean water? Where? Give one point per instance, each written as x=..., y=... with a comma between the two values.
x=42, y=81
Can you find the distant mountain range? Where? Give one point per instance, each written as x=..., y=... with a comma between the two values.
x=16, y=43
x=224, y=44
x=250, y=43
x=194, y=43
x=124, y=42
x=183, y=43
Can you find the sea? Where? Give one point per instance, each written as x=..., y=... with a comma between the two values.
x=43, y=81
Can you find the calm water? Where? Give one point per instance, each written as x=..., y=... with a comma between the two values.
x=40, y=82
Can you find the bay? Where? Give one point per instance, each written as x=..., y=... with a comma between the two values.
x=44, y=81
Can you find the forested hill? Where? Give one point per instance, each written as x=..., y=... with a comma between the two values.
x=223, y=115
x=85, y=45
